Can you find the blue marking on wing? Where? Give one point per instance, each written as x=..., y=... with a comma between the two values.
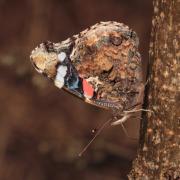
x=73, y=83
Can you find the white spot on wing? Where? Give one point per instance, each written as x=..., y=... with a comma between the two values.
x=61, y=56
x=61, y=71
x=59, y=81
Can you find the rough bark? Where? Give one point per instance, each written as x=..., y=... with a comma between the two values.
x=159, y=151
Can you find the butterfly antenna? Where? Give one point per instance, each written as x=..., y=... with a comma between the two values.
x=121, y=121
x=97, y=133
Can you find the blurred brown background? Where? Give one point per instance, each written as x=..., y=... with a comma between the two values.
x=42, y=129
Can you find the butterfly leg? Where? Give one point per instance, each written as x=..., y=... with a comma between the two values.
x=121, y=120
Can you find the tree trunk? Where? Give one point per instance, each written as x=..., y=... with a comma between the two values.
x=159, y=151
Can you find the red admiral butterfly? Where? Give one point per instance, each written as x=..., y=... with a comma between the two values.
x=101, y=65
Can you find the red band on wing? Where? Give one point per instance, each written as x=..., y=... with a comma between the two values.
x=88, y=89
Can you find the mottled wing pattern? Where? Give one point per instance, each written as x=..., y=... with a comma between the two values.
x=101, y=65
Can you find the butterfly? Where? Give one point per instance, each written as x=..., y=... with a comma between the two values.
x=101, y=65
